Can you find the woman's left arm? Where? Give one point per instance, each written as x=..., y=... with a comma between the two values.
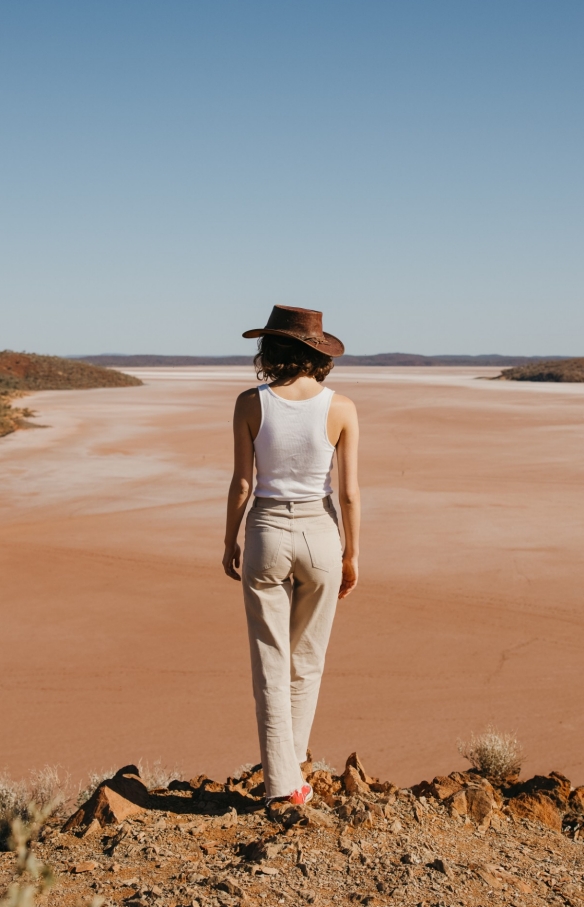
x=241, y=482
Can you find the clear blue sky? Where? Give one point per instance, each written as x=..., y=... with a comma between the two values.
x=170, y=169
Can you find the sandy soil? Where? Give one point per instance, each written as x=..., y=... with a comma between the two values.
x=122, y=638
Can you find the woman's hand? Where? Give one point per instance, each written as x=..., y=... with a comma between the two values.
x=350, y=576
x=232, y=559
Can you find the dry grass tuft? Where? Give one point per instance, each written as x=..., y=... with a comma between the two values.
x=46, y=790
x=242, y=770
x=35, y=878
x=494, y=754
x=321, y=765
x=158, y=774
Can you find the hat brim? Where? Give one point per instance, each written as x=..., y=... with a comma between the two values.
x=330, y=346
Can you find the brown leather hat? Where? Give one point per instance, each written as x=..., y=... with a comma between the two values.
x=302, y=324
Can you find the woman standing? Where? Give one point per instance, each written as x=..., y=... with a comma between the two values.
x=293, y=567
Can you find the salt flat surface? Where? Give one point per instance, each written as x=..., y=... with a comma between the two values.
x=121, y=637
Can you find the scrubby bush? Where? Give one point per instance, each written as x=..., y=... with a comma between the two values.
x=46, y=790
x=494, y=754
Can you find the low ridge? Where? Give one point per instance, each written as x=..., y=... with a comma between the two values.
x=558, y=370
x=22, y=372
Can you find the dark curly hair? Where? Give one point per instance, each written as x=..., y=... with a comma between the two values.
x=285, y=357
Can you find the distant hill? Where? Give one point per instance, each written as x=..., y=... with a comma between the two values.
x=560, y=370
x=396, y=359
x=28, y=372
x=21, y=372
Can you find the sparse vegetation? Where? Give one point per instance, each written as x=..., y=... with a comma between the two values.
x=34, y=877
x=47, y=789
x=496, y=755
x=321, y=765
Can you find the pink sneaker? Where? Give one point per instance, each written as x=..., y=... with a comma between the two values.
x=297, y=797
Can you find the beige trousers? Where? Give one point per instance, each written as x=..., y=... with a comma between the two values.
x=292, y=566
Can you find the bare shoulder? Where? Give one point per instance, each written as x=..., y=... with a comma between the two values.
x=244, y=397
x=248, y=410
x=343, y=404
x=342, y=419
x=248, y=399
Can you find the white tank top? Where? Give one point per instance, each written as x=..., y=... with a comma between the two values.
x=294, y=456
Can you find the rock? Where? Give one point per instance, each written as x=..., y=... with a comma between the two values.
x=352, y=781
x=362, y=817
x=180, y=785
x=349, y=847
x=536, y=807
x=480, y=804
x=196, y=782
x=356, y=763
x=323, y=783
x=476, y=803
x=255, y=777
x=85, y=866
x=318, y=817
x=227, y=820
x=489, y=877
x=496, y=876
x=211, y=787
x=444, y=787
x=458, y=803
x=254, y=851
x=93, y=826
x=555, y=785
x=113, y=801
x=383, y=787
x=229, y=884
x=443, y=866
x=577, y=800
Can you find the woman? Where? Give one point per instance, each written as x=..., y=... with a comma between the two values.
x=293, y=567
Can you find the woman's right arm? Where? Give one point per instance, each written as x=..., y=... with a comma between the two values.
x=242, y=480
x=349, y=496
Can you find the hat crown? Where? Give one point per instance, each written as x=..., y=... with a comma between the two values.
x=306, y=324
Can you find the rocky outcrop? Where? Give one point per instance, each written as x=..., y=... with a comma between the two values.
x=113, y=800
x=457, y=839
x=536, y=807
